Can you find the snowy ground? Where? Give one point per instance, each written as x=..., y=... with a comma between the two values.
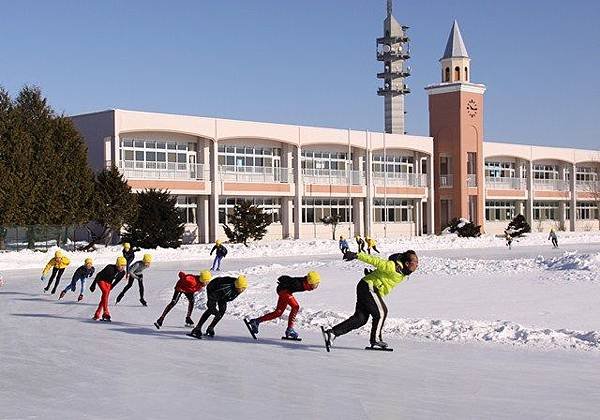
x=478, y=333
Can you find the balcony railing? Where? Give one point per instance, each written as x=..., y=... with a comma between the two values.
x=471, y=180
x=550, y=185
x=264, y=174
x=446, y=181
x=505, y=183
x=163, y=170
x=588, y=186
x=333, y=176
x=400, y=179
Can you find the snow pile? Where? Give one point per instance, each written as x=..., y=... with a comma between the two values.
x=570, y=261
x=286, y=247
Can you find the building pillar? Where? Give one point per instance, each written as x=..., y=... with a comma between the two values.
x=573, y=207
x=431, y=197
x=369, y=200
x=530, y=195
x=358, y=210
x=299, y=189
x=562, y=207
x=418, y=220
x=287, y=208
x=203, y=218
x=213, y=222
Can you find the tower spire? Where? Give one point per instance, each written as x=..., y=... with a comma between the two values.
x=393, y=50
x=455, y=62
x=455, y=47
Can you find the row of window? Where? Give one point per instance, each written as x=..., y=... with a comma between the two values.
x=498, y=210
x=540, y=171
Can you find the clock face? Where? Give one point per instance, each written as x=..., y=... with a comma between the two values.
x=472, y=108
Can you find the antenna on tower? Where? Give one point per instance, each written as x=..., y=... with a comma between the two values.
x=389, y=7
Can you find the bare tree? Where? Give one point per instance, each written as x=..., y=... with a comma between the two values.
x=593, y=187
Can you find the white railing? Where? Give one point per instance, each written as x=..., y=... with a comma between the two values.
x=446, y=181
x=588, y=186
x=333, y=176
x=266, y=174
x=471, y=180
x=163, y=170
x=550, y=185
x=505, y=183
x=401, y=179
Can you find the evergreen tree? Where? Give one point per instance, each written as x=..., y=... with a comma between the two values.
x=7, y=208
x=518, y=226
x=249, y=222
x=157, y=223
x=112, y=203
x=464, y=228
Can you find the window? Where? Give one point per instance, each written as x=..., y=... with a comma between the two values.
x=319, y=160
x=586, y=173
x=545, y=210
x=497, y=169
x=314, y=209
x=187, y=207
x=152, y=154
x=456, y=73
x=499, y=211
x=471, y=163
x=271, y=206
x=466, y=74
x=392, y=163
x=249, y=156
x=587, y=210
x=447, y=78
x=392, y=210
x=545, y=172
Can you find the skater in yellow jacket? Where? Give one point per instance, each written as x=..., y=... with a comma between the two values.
x=58, y=265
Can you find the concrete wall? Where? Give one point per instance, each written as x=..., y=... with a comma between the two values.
x=95, y=128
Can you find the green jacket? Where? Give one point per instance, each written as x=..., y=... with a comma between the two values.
x=385, y=277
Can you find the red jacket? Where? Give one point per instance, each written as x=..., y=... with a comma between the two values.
x=188, y=283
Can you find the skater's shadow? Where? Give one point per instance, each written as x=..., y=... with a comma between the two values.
x=296, y=345
x=149, y=331
x=18, y=293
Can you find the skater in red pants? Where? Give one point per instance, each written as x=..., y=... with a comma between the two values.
x=106, y=280
x=286, y=287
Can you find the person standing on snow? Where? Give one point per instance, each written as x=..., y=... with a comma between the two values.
x=135, y=273
x=343, y=244
x=218, y=292
x=371, y=245
x=286, y=287
x=508, y=238
x=554, y=238
x=106, y=279
x=371, y=290
x=82, y=273
x=129, y=253
x=360, y=242
x=58, y=265
x=188, y=285
x=221, y=253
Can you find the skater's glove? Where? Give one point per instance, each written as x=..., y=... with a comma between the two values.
x=42, y=278
x=93, y=287
x=349, y=256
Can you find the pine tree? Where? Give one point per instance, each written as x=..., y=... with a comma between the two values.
x=464, y=228
x=333, y=221
x=248, y=221
x=157, y=223
x=112, y=204
x=7, y=208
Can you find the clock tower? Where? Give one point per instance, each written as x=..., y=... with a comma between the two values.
x=456, y=125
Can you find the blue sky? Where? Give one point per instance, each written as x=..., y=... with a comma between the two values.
x=308, y=62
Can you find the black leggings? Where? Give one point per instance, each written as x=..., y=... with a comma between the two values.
x=368, y=302
x=175, y=299
x=212, y=310
x=128, y=286
x=56, y=272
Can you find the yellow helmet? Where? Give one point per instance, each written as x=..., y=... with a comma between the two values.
x=241, y=282
x=218, y=242
x=205, y=276
x=313, y=278
x=59, y=254
x=147, y=258
x=126, y=246
x=88, y=261
x=356, y=236
x=121, y=262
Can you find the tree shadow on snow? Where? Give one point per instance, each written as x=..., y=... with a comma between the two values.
x=19, y=293
x=296, y=345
